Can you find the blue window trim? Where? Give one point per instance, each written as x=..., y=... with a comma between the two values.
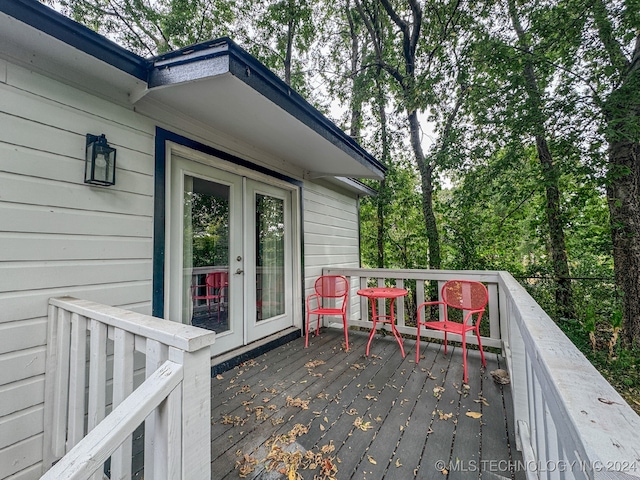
x=160, y=195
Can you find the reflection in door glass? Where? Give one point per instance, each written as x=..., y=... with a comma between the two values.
x=206, y=254
x=269, y=256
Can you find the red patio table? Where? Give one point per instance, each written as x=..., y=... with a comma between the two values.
x=376, y=293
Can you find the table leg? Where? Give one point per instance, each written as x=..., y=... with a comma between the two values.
x=393, y=326
x=374, y=317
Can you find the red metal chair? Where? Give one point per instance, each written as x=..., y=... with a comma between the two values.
x=466, y=295
x=215, y=288
x=335, y=288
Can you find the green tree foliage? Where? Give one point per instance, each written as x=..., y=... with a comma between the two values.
x=399, y=71
x=152, y=27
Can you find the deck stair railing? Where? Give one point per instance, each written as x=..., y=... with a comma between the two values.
x=570, y=422
x=91, y=406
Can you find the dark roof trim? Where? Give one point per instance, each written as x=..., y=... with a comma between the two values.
x=178, y=66
x=357, y=186
x=52, y=23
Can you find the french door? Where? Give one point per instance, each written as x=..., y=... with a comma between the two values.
x=230, y=266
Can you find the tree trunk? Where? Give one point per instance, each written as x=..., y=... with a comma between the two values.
x=557, y=246
x=426, y=179
x=622, y=116
x=383, y=197
x=622, y=113
x=624, y=208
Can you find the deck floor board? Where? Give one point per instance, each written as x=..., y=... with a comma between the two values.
x=405, y=429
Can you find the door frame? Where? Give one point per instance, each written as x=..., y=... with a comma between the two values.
x=166, y=144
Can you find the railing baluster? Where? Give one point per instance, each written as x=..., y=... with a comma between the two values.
x=77, y=380
x=494, y=311
x=62, y=380
x=124, y=344
x=97, y=378
x=156, y=354
x=400, y=316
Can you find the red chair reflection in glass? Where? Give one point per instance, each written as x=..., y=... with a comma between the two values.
x=468, y=296
x=214, y=289
x=333, y=289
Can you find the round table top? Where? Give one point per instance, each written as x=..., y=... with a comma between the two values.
x=383, y=292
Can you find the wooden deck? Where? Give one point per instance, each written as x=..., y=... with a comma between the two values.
x=305, y=410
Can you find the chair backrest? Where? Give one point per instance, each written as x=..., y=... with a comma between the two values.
x=332, y=286
x=217, y=280
x=465, y=294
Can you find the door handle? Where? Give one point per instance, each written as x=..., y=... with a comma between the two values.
x=239, y=271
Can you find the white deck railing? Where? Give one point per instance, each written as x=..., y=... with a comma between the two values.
x=405, y=321
x=89, y=340
x=570, y=422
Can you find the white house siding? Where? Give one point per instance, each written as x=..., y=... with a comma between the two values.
x=59, y=236
x=330, y=230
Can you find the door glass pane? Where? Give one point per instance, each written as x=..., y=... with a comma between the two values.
x=206, y=254
x=269, y=256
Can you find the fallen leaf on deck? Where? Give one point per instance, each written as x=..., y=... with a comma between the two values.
x=322, y=429
x=398, y=464
x=357, y=366
x=371, y=397
x=473, y=414
x=437, y=391
x=371, y=460
x=219, y=377
x=298, y=402
x=314, y=363
x=364, y=426
x=444, y=416
x=352, y=411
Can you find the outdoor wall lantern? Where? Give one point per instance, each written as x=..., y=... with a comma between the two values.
x=100, y=161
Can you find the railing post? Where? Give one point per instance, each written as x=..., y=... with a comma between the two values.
x=56, y=385
x=155, y=354
x=196, y=404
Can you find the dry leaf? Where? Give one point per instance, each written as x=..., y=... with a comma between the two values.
x=437, y=391
x=364, y=426
x=314, y=363
x=219, y=377
x=371, y=460
x=398, y=464
x=444, y=416
x=474, y=414
x=322, y=428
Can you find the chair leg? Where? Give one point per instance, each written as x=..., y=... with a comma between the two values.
x=445, y=342
x=484, y=362
x=464, y=359
x=346, y=332
x=418, y=343
x=306, y=333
